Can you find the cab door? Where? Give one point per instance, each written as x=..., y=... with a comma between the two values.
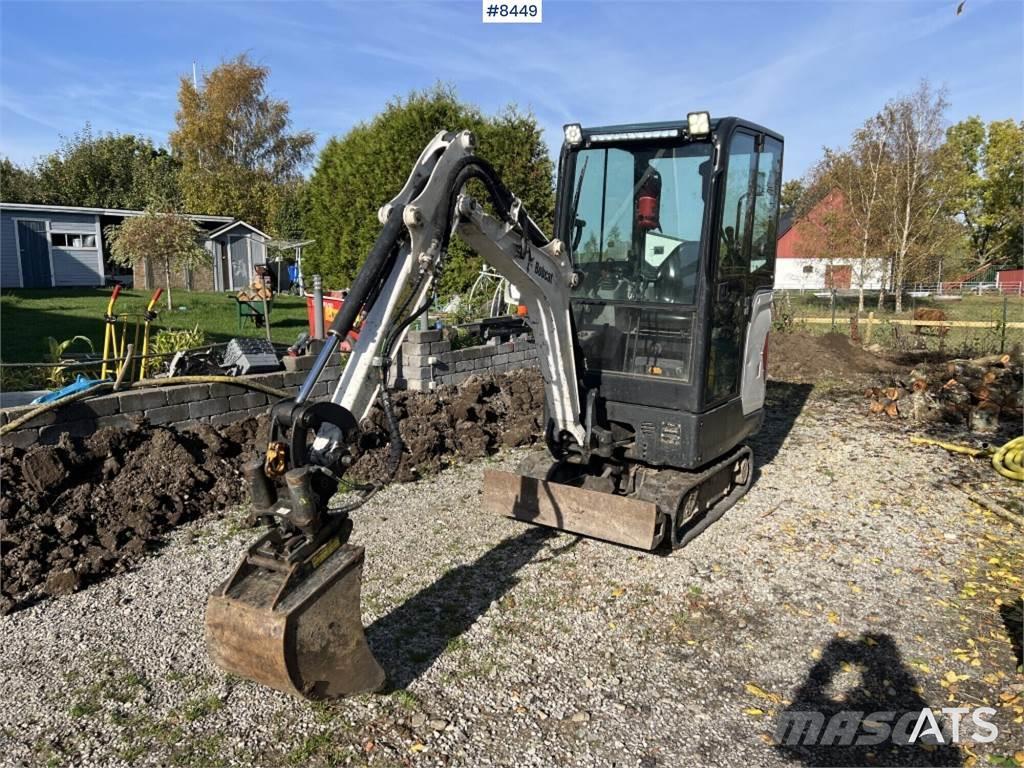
x=745, y=271
x=730, y=289
x=763, y=239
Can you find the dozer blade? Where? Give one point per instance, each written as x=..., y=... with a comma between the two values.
x=297, y=629
x=620, y=519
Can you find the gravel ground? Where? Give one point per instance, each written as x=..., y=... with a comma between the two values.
x=851, y=577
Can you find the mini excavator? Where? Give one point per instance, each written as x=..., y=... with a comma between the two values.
x=650, y=309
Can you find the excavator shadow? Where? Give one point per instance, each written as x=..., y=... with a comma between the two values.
x=784, y=400
x=410, y=638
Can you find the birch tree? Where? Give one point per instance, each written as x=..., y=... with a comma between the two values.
x=858, y=174
x=915, y=188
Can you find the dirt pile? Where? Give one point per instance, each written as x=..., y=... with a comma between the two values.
x=77, y=511
x=83, y=508
x=807, y=358
x=465, y=422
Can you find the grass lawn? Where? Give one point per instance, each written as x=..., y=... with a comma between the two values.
x=27, y=317
x=959, y=341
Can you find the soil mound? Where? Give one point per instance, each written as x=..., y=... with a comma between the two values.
x=75, y=512
x=806, y=358
x=466, y=422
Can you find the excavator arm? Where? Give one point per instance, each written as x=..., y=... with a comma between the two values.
x=289, y=614
x=513, y=244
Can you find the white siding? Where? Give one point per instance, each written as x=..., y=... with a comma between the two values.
x=791, y=274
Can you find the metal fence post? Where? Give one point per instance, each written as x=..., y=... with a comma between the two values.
x=1002, y=329
x=318, y=307
x=833, y=310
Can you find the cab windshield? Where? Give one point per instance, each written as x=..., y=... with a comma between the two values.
x=636, y=245
x=638, y=222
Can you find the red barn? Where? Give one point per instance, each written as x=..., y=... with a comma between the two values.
x=819, y=251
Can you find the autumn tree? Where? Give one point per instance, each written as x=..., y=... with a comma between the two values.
x=235, y=143
x=160, y=239
x=362, y=170
x=988, y=167
x=917, y=185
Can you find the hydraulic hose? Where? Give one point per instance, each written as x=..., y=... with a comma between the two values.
x=104, y=387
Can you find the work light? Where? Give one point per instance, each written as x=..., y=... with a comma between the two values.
x=699, y=123
x=573, y=134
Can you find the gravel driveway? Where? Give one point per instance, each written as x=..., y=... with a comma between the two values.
x=842, y=581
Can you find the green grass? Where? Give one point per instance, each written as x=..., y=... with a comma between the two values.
x=960, y=341
x=985, y=308
x=27, y=317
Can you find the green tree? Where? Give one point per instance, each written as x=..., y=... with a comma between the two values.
x=17, y=184
x=361, y=171
x=857, y=174
x=163, y=240
x=790, y=197
x=107, y=171
x=988, y=168
x=235, y=144
x=291, y=210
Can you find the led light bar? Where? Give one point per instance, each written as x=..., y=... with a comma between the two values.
x=669, y=133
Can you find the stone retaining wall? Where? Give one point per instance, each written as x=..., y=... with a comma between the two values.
x=174, y=405
x=428, y=361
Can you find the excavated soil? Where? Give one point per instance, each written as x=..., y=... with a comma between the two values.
x=809, y=358
x=456, y=423
x=84, y=508
x=75, y=512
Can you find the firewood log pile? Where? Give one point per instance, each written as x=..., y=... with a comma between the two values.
x=981, y=393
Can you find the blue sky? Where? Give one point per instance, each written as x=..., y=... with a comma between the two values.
x=812, y=71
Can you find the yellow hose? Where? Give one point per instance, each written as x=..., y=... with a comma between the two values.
x=1008, y=461
x=142, y=384
x=952, y=447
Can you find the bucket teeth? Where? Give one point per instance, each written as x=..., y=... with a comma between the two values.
x=301, y=634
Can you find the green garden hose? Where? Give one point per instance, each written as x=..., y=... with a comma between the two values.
x=103, y=387
x=1008, y=461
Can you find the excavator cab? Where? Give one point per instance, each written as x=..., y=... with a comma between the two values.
x=671, y=228
x=673, y=233
x=650, y=309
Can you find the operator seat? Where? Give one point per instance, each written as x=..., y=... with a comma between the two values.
x=676, y=279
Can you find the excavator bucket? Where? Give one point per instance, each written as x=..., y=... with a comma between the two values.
x=620, y=519
x=297, y=629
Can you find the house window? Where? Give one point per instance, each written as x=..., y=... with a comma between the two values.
x=808, y=269
x=73, y=239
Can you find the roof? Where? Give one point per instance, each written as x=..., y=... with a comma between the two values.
x=105, y=211
x=785, y=224
x=232, y=224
